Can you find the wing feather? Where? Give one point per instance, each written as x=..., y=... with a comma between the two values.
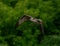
x=23, y=19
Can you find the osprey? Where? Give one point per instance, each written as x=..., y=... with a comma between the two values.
x=30, y=18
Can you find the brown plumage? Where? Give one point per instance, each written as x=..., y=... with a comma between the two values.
x=38, y=21
x=27, y=17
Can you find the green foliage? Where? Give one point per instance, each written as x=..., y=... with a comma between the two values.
x=28, y=33
x=49, y=40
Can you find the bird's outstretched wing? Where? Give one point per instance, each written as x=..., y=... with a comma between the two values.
x=27, y=17
x=22, y=19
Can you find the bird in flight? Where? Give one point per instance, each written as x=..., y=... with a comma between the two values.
x=30, y=18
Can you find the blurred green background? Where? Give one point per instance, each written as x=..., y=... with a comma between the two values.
x=28, y=33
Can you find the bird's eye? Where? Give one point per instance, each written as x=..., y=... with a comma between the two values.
x=38, y=21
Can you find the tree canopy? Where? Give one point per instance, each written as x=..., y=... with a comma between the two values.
x=28, y=33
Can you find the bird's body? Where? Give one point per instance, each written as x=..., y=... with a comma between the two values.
x=38, y=21
x=27, y=17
